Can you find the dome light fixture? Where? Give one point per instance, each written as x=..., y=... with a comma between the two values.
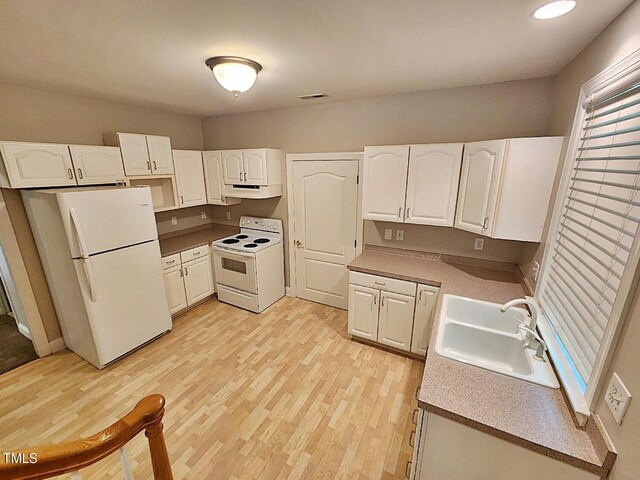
x=236, y=74
x=554, y=9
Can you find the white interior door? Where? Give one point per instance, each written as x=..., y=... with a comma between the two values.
x=432, y=184
x=478, y=185
x=160, y=154
x=384, y=183
x=325, y=208
x=190, y=177
x=97, y=165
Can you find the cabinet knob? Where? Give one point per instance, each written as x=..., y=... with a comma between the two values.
x=70, y=172
x=80, y=174
x=155, y=165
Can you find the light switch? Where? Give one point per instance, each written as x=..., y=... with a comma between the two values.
x=617, y=398
x=388, y=234
x=478, y=244
x=400, y=235
x=203, y=214
x=174, y=220
x=228, y=214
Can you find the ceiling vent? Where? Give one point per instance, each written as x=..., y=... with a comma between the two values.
x=311, y=96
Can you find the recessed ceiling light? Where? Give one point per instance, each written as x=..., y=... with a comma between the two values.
x=554, y=9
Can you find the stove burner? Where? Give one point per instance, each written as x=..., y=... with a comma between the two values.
x=229, y=241
x=242, y=237
x=262, y=240
x=250, y=245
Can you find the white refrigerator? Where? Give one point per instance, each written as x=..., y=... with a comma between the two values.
x=100, y=253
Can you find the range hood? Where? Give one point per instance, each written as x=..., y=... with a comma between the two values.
x=252, y=191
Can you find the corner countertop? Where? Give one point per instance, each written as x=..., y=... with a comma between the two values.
x=529, y=415
x=195, y=237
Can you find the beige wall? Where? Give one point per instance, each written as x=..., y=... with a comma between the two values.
x=35, y=115
x=186, y=218
x=618, y=40
x=511, y=109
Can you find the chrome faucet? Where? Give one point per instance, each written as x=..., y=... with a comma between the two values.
x=534, y=342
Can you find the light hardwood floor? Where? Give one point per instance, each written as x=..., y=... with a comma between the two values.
x=283, y=394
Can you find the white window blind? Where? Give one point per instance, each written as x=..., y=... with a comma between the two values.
x=597, y=227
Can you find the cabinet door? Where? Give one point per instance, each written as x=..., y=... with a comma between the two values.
x=396, y=320
x=189, y=177
x=160, y=154
x=423, y=318
x=255, y=167
x=198, y=279
x=232, y=167
x=37, y=165
x=135, y=154
x=213, y=179
x=96, y=165
x=176, y=295
x=479, y=182
x=363, y=312
x=384, y=183
x=432, y=183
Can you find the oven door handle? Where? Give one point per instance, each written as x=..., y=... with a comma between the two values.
x=231, y=253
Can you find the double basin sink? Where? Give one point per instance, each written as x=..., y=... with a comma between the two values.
x=479, y=333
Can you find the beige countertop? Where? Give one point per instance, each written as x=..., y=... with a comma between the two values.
x=180, y=241
x=523, y=413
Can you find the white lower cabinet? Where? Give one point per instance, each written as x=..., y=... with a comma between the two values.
x=363, y=312
x=423, y=318
x=188, y=277
x=173, y=280
x=395, y=322
x=387, y=311
x=198, y=279
x=446, y=449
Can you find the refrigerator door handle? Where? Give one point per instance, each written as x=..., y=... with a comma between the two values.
x=85, y=255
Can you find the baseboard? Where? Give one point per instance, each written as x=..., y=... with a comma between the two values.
x=24, y=330
x=57, y=345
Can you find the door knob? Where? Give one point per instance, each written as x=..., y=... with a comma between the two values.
x=298, y=244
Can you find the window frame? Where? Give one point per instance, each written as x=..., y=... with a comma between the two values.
x=609, y=81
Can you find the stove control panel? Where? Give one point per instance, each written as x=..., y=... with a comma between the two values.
x=273, y=225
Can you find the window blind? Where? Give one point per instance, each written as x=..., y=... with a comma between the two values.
x=597, y=227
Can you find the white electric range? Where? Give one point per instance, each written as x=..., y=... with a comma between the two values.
x=249, y=266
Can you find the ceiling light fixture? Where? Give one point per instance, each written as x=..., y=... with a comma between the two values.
x=236, y=74
x=554, y=9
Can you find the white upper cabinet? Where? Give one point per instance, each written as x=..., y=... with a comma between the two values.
x=142, y=155
x=478, y=185
x=35, y=165
x=160, y=154
x=506, y=185
x=96, y=165
x=213, y=179
x=384, y=182
x=232, y=167
x=254, y=167
x=135, y=155
x=189, y=177
x=432, y=183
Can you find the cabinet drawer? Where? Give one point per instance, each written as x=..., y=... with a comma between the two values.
x=383, y=283
x=171, y=261
x=194, y=253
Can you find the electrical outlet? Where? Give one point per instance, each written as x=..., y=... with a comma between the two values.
x=228, y=214
x=203, y=214
x=174, y=220
x=617, y=397
x=388, y=234
x=478, y=244
x=400, y=235
x=535, y=268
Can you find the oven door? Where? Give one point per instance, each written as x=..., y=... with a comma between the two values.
x=235, y=269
